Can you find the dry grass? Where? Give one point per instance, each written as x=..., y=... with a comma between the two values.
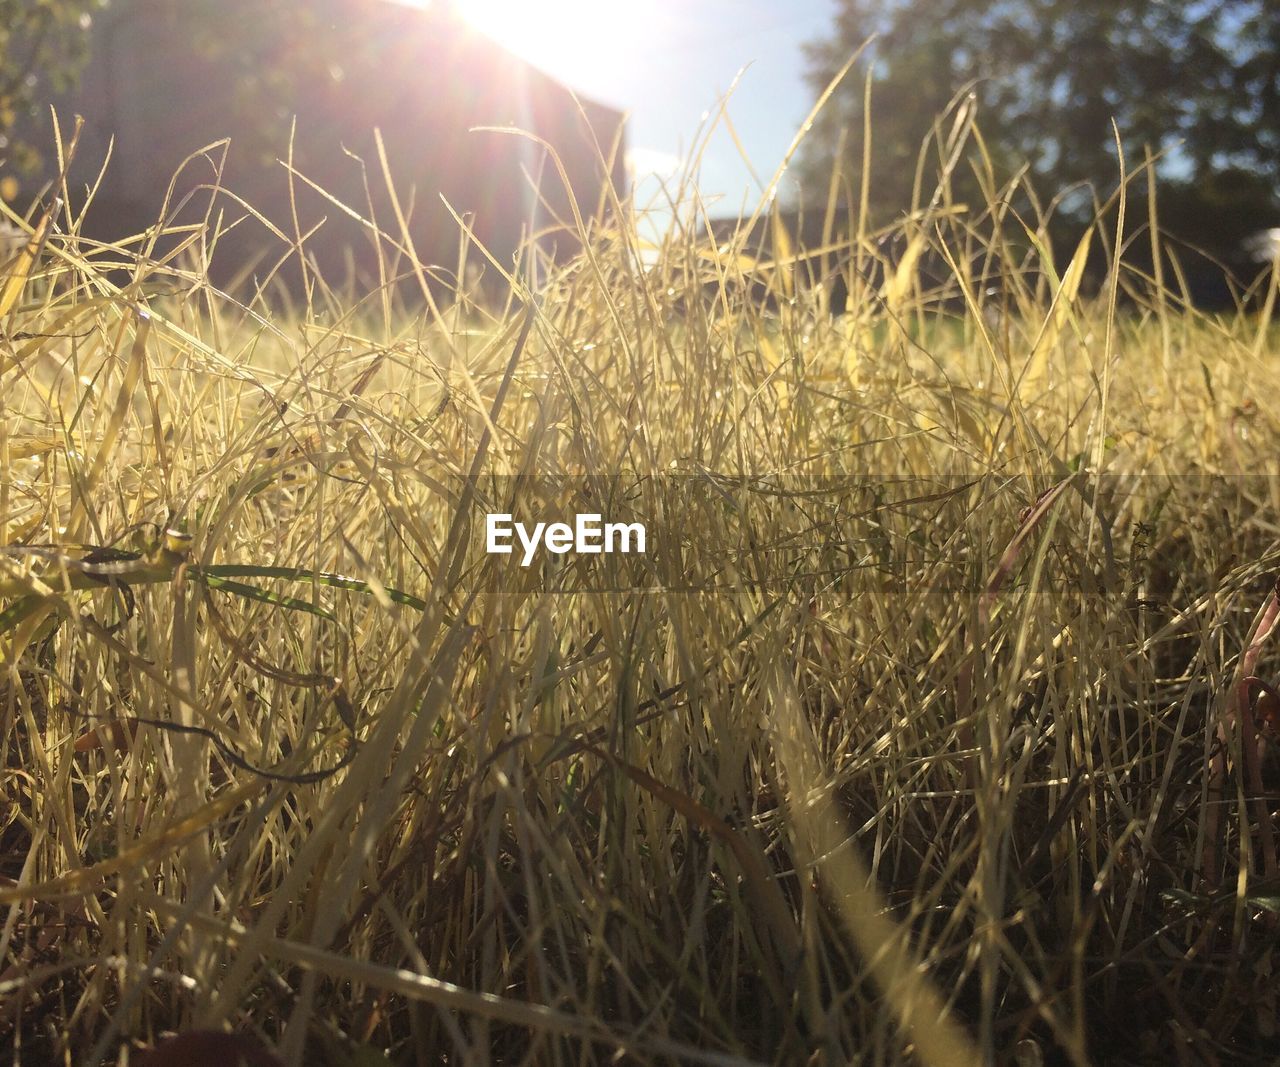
x=867, y=733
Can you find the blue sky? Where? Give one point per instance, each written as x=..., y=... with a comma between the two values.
x=668, y=63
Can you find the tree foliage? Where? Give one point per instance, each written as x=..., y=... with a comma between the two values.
x=43, y=44
x=1196, y=79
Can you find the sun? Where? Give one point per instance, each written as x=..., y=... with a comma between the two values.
x=565, y=38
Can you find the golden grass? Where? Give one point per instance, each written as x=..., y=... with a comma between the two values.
x=899, y=746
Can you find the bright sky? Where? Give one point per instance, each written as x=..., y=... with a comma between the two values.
x=667, y=63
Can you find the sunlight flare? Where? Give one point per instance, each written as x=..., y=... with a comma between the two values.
x=552, y=34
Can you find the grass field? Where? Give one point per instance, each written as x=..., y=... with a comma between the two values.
x=924, y=732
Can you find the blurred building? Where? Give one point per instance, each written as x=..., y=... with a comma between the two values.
x=167, y=79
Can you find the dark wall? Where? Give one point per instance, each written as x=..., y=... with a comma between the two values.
x=165, y=79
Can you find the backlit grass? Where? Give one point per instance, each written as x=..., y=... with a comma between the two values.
x=920, y=735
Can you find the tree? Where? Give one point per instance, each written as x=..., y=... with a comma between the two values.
x=42, y=46
x=1197, y=79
